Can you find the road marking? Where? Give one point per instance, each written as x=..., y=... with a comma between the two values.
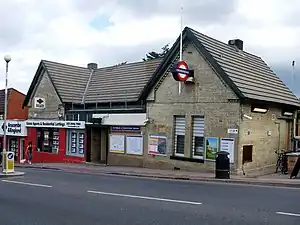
x=288, y=214
x=145, y=197
x=30, y=184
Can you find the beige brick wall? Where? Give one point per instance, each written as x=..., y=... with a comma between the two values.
x=208, y=97
x=45, y=90
x=255, y=132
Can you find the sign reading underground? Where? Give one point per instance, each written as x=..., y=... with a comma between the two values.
x=181, y=71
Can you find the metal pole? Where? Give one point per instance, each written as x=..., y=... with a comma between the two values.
x=181, y=45
x=5, y=115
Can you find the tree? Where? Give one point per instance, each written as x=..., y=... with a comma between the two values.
x=120, y=64
x=155, y=55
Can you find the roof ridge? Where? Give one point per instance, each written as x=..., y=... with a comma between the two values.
x=105, y=67
x=219, y=41
x=64, y=64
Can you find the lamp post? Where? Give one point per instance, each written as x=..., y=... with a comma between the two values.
x=7, y=59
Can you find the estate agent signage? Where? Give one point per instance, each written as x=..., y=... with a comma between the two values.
x=56, y=124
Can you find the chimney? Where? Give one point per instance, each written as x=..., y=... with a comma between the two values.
x=92, y=66
x=237, y=43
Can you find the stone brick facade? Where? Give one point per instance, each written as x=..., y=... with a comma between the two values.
x=209, y=97
x=212, y=98
x=44, y=89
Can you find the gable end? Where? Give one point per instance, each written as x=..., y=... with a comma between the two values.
x=35, y=81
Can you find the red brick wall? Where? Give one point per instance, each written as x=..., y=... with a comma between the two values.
x=14, y=106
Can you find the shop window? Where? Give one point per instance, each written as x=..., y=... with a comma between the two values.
x=47, y=140
x=179, y=133
x=247, y=153
x=198, y=137
x=75, y=143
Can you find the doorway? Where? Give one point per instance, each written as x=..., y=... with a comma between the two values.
x=96, y=144
x=22, y=148
x=88, y=145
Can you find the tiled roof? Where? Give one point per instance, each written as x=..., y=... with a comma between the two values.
x=120, y=83
x=250, y=73
x=246, y=74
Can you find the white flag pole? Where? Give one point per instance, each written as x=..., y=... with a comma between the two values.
x=180, y=50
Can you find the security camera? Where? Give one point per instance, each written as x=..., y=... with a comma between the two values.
x=247, y=117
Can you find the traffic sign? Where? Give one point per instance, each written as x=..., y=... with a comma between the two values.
x=8, y=162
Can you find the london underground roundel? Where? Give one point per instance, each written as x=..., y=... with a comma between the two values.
x=182, y=71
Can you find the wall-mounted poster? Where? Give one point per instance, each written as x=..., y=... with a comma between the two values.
x=134, y=145
x=227, y=145
x=211, y=147
x=117, y=143
x=157, y=145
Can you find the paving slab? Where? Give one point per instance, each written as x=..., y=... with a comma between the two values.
x=266, y=180
x=14, y=174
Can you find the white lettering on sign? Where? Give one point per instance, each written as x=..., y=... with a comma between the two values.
x=56, y=124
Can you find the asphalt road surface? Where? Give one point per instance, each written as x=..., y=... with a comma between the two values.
x=57, y=198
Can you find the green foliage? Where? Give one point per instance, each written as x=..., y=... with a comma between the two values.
x=155, y=55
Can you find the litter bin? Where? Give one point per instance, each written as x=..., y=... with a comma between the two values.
x=222, y=165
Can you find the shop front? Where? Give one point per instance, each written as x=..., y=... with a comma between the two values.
x=121, y=138
x=56, y=141
x=16, y=134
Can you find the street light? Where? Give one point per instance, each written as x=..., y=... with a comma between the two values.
x=7, y=59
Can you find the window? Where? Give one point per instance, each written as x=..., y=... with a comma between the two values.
x=198, y=137
x=13, y=146
x=47, y=140
x=179, y=132
x=75, y=143
x=247, y=153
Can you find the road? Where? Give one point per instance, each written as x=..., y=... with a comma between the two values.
x=44, y=197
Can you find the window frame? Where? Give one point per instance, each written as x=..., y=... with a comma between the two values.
x=40, y=139
x=69, y=143
x=175, y=136
x=194, y=139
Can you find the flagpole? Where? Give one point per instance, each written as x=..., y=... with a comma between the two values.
x=293, y=71
x=180, y=48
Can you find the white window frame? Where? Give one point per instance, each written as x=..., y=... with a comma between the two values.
x=176, y=134
x=197, y=133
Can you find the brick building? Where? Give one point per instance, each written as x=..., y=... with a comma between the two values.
x=16, y=116
x=134, y=115
x=14, y=104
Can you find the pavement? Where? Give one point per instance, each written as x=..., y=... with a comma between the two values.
x=268, y=180
x=56, y=197
x=14, y=174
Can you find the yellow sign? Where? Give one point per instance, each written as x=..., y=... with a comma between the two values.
x=8, y=162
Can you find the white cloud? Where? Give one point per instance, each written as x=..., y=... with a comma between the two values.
x=57, y=30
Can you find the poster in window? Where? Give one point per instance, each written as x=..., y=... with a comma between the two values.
x=227, y=145
x=211, y=147
x=46, y=138
x=134, y=145
x=157, y=145
x=81, y=143
x=73, y=142
x=117, y=143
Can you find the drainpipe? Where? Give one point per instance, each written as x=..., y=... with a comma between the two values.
x=294, y=129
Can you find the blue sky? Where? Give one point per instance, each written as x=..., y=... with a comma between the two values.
x=100, y=22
